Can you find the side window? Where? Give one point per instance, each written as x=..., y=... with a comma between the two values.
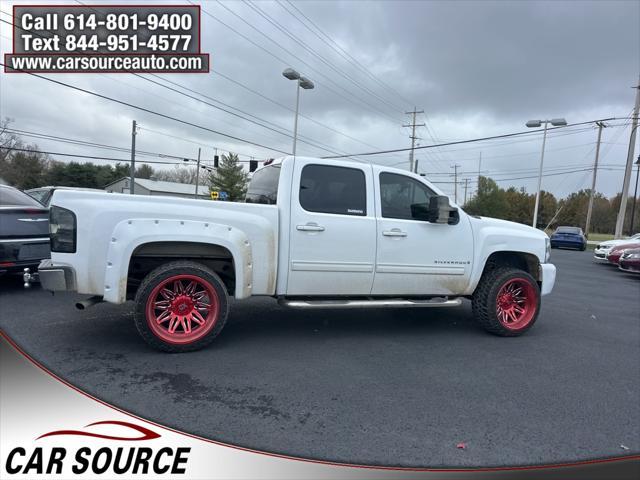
x=328, y=189
x=399, y=192
x=263, y=187
x=38, y=195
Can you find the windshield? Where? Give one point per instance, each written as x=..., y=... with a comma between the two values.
x=12, y=197
x=263, y=187
x=574, y=230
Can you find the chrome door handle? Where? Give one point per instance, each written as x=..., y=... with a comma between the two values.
x=310, y=227
x=394, y=232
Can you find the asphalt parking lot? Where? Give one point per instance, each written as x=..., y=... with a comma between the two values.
x=386, y=387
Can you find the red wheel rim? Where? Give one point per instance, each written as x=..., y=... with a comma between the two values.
x=516, y=304
x=182, y=309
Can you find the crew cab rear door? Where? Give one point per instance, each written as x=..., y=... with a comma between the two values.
x=332, y=230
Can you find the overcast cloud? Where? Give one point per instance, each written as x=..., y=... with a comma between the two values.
x=477, y=68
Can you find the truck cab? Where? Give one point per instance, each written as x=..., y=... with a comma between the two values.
x=352, y=231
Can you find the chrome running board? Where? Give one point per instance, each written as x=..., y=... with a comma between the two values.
x=391, y=302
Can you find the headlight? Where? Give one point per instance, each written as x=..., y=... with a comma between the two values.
x=547, y=249
x=62, y=226
x=633, y=256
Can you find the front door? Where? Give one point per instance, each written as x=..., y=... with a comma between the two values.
x=332, y=230
x=416, y=257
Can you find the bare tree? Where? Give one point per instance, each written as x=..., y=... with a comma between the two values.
x=7, y=139
x=179, y=174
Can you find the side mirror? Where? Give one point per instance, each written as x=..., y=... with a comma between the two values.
x=437, y=211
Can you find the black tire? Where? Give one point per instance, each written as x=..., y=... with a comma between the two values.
x=583, y=248
x=485, y=301
x=183, y=340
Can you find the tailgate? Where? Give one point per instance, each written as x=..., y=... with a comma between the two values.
x=24, y=223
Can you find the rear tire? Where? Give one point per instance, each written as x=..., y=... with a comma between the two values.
x=506, y=301
x=181, y=307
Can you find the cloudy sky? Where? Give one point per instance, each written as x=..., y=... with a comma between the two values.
x=476, y=68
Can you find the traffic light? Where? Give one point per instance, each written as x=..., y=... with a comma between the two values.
x=253, y=165
x=216, y=160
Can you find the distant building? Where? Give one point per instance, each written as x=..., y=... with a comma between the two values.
x=156, y=187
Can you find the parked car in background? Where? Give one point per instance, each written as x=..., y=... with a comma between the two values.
x=603, y=248
x=24, y=231
x=630, y=261
x=616, y=252
x=569, y=237
x=44, y=194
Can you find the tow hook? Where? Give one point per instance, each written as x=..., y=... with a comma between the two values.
x=29, y=277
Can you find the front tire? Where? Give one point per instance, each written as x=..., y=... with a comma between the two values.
x=506, y=301
x=181, y=307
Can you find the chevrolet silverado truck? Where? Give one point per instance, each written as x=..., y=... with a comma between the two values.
x=312, y=233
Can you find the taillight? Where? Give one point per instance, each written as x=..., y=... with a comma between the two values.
x=62, y=226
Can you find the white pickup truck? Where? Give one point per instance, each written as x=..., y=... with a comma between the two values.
x=313, y=234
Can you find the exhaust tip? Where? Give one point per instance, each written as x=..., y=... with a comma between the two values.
x=84, y=304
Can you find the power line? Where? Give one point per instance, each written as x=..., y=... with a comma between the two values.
x=529, y=177
x=165, y=134
x=78, y=142
x=317, y=144
x=459, y=142
x=313, y=52
x=350, y=95
x=143, y=109
x=73, y=141
x=335, y=46
x=92, y=157
x=279, y=129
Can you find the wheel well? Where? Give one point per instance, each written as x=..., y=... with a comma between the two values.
x=150, y=256
x=524, y=261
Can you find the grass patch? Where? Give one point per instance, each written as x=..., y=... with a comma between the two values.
x=600, y=237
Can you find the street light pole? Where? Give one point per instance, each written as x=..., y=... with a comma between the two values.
x=535, y=209
x=556, y=122
x=295, y=122
x=301, y=82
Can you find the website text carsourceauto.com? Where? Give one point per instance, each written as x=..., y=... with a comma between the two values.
x=106, y=63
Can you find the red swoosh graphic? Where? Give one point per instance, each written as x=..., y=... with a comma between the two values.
x=146, y=433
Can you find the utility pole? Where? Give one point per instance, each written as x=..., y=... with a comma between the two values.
x=197, y=174
x=628, y=170
x=455, y=182
x=413, y=125
x=132, y=172
x=601, y=125
x=466, y=182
